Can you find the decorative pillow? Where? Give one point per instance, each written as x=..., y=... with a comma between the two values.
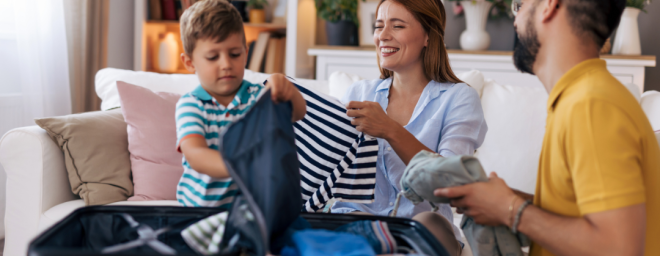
x=475, y=79
x=651, y=105
x=95, y=147
x=512, y=151
x=339, y=82
x=155, y=162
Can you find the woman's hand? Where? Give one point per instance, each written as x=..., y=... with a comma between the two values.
x=369, y=117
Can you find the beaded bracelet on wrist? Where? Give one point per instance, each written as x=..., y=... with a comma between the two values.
x=516, y=221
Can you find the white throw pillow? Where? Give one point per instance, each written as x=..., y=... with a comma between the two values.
x=651, y=106
x=475, y=79
x=106, y=83
x=516, y=125
x=339, y=82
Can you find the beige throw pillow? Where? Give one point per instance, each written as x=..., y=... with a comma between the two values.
x=95, y=146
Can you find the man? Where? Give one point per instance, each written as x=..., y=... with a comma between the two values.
x=598, y=187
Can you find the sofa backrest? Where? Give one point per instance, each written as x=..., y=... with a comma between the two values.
x=515, y=114
x=106, y=83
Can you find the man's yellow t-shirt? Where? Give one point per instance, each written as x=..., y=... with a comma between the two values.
x=599, y=151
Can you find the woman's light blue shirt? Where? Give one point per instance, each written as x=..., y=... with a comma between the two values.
x=448, y=119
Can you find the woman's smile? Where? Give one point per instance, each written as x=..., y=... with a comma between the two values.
x=388, y=51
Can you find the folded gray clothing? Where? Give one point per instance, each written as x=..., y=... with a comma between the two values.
x=429, y=171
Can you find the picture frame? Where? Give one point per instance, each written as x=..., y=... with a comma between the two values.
x=367, y=17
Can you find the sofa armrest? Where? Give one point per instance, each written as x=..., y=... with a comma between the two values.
x=36, y=181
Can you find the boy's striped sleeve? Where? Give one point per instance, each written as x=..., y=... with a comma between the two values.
x=189, y=119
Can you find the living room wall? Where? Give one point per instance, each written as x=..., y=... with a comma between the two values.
x=120, y=38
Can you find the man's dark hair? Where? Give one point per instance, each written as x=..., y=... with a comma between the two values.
x=595, y=18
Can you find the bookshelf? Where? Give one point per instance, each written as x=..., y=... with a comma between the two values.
x=148, y=34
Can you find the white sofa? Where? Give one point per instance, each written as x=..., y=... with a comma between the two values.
x=38, y=191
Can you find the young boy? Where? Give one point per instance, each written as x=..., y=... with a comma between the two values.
x=215, y=49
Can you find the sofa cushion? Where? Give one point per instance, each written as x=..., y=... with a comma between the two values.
x=475, y=79
x=155, y=162
x=651, y=105
x=95, y=147
x=339, y=82
x=516, y=124
x=106, y=83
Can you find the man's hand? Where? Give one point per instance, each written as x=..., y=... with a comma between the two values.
x=486, y=202
x=369, y=117
x=282, y=90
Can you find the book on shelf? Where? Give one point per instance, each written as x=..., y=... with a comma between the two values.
x=275, y=55
x=185, y=4
x=169, y=9
x=155, y=12
x=249, y=53
x=179, y=9
x=259, y=52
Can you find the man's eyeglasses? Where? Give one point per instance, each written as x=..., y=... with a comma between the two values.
x=515, y=6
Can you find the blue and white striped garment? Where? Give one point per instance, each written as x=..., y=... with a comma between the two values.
x=199, y=114
x=336, y=161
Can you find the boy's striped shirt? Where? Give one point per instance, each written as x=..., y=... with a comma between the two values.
x=198, y=114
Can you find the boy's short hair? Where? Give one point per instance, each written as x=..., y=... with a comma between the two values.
x=216, y=19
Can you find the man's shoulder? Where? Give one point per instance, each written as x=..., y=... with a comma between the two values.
x=599, y=89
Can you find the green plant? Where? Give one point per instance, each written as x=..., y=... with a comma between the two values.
x=639, y=4
x=336, y=10
x=257, y=4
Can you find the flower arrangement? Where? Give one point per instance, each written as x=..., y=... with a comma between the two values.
x=501, y=8
x=257, y=4
x=336, y=10
x=639, y=4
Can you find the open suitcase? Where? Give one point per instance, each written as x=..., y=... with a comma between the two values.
x=268, y=203
x=89, y=230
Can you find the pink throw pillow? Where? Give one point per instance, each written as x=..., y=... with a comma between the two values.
x=155, y=162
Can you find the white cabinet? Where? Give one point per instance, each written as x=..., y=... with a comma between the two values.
x=495, y=65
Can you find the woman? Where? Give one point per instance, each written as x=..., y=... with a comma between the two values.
x=418, y=104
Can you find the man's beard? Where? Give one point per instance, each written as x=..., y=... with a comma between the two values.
x=526, y=47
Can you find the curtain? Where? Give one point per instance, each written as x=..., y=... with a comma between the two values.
x=87, y=33
x=34, y=72
x=42, y=63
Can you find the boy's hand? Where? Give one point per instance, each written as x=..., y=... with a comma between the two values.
x=282, y=90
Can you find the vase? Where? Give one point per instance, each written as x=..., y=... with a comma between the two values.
x=627, y=35
x=257, y=16
x=475, y=37
x=341, y=33
x=168, y=54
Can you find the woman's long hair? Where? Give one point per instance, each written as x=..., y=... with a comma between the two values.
x=431, y=14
